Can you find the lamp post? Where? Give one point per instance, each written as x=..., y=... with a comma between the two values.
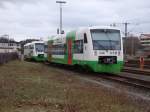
x=61, y=2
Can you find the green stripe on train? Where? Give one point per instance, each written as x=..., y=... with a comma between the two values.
x=94, y=65
x=37, y=58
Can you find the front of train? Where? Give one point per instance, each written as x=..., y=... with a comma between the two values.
x=107, y=50
x=39, y=51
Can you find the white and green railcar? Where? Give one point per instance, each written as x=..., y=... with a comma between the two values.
x=34, y=51
x=96, y=48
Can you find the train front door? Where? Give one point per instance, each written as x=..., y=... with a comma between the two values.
x=69, y=51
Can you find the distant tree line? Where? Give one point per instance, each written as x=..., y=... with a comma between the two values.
x=7, y=40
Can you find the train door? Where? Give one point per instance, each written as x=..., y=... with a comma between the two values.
x=69, y=42
x=49, y=51
x=85, y=47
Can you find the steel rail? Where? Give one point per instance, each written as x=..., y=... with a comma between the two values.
x=130, y=81
x=141, y=72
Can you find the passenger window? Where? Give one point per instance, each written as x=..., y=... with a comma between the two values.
x=78, y=47
x=32, y=47
x=58, y=49
x=85, y=38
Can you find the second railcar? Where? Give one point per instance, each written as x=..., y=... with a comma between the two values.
x=34, y=51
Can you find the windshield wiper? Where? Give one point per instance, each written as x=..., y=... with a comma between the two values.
x=111, y=47
x=98, y=43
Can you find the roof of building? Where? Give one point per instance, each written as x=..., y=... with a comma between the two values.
x=145, y=36
x=7, y=40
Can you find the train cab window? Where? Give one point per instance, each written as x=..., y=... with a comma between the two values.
x=85, y=38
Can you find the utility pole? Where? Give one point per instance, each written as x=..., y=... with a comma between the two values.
x=132, y=49
x=61, y=2
x=126, y=35
x=126, y=29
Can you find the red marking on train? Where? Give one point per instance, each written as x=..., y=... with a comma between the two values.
x=70, y=51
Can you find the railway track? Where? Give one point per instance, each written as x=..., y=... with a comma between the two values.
x=125, y=80
x=142, y=84
x=135, y=71
x=146, y=66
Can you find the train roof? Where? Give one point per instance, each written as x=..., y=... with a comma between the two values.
x=80, y=29
x=99, y=27
x=58, y=36
x=34, y=43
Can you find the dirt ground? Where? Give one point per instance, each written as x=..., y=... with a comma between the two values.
x=35, y=87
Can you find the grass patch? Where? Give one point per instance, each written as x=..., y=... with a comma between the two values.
x=34, y=87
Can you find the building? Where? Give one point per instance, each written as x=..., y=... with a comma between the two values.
x=8, y=46
x=145, y=42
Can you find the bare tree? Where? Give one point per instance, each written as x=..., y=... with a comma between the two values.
x=131, y=45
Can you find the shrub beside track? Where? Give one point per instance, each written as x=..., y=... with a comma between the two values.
x=6, y=57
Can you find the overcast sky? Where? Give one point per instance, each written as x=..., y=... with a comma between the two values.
x=23, y=19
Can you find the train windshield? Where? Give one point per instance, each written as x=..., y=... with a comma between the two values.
x=106, y=39
x=39, y=47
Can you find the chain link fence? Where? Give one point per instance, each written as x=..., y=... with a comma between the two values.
x=6, y=57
